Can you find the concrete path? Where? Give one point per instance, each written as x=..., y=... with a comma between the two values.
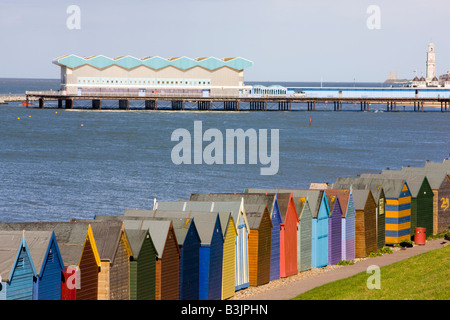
x=294, y=289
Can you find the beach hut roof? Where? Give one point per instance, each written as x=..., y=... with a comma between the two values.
x=343, y=196
x=314, y=197
x=10, y=243
x=444, y=164
x=255, y=214
x=414, y=180
x=136, y=238
x=283, y=203
x=70, y=236
x=391, y=187
x=249, y=198
x=157, y=229
x=203, y=219
x=360, y=198
x=38, y=242
x=224, y=207
x=107, y=237
x=435, y=176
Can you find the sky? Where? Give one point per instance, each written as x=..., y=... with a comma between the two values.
x=287, y=40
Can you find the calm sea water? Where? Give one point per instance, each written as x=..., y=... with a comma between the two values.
x=52, y=168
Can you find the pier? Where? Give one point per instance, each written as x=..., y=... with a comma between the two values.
x=5, y=98
x=182, y=102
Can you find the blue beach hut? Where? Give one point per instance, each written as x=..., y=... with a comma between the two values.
x=16, y=267
x=241, y=276
x=48, y=264
x=256, y=197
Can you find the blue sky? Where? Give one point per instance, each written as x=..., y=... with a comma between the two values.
x=287, y=40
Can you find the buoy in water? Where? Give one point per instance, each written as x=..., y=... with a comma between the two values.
x=82, y=125
x=310, y=120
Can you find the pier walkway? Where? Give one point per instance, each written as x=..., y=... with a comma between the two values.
x=295, y=102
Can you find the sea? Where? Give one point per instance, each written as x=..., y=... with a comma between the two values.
x=58, y=164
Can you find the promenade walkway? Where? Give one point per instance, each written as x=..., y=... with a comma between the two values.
x=297, y=287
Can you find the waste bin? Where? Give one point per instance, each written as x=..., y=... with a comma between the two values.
x=420, y=235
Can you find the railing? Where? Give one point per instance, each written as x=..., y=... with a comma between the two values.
x=133, y=95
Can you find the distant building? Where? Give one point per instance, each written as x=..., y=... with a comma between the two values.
x=430, y=80
x=431, y=63
x=153, y=75
x=419, y=82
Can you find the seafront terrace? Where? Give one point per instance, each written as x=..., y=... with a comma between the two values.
x=179, y=101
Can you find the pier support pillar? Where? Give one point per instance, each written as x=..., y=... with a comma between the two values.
x=96, y=104
x=69, y=103
x=60, y=104
x=124, y=104
x=231, y=105
x=203, y=105
x=41, y=103
x=284, y=105
x=179, y=105
x=150, y=104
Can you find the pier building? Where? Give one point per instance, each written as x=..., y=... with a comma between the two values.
x=153, y=75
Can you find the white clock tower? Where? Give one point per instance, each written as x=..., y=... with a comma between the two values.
x=431, y=62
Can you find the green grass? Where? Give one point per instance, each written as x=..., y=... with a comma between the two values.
x=422, y=277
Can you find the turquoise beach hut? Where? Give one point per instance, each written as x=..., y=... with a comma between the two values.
x=16, y=267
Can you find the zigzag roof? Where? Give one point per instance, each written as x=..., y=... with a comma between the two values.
x=128, y=62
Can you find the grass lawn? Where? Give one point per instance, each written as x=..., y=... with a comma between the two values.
x=423, y=277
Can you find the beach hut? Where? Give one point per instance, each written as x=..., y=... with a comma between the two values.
x=115, y=252
x=261, y=199
x=47, y=261
x=189, y=243
x=320, y=211
x=210, y=259
x=142, y=264
x=16, y=267
x=48, y=264
x=304, y=234
x=347, y=222
x=288, y=234
x=79, y=253
x=334, y=229
x=259, y=244
x=439, y=180
x=167, y=263
x=365, y=223
x=232, y=255
x=421, y=197
x=320, y=219
x=380, y=199
x=288, y=230
x=185, y=231
x=397, y=207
